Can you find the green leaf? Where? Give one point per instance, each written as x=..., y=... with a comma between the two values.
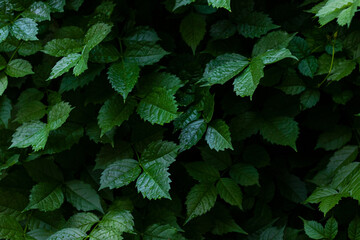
x=81, y=66
x=280, y=130
x=292, y=188
x=272, y=233
x=275, y=55
x=33, y=110
x=159, y=232
x=154, y=182
x=3, y=63
x=158, y=107
x=246, y=83
x=63, y=47
x=160, y=151
x=114, y=112
x=255, y=24
x=56, y=5
x=341, y=67
x=118, y=221
x=334, y=139
x=354, y=229
x=180, y=3
x=10, y=228
x=123, y=76
x=192, y=133
x=143, y=53
x=120, y=173
x=273, y=40
x=223, y=68
x=141, y=34
x=347, y=14
x=160, y=80
x=5, y=111
x=33, y=134
x=309, y=98
x=58, y=114
x=220, y=4
x=12, y=205
x=299, y=47
x=82, y=196
x=202, y=172
x=230, y=192
x=38, y=11
x=331, y=228
x=45, y=196
x=331, y=10
x=192, y=29
x=68, y=234
x=222, y=29
x=104, y=53
x=24, y=29
x=308, y=66
x=99, y=234
x=200, y=199
x=18, y=68
x=29, y=48
x=96, y=34
x=244, y=174
x=64, y=65
x=83, y=221
x=218, y=136
x=314, y=229
x=44, y=170
x=4, y=32
x=220, y=160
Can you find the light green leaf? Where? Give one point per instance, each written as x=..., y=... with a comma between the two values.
x=158, y=107
x=160, y=151
x=10, y=228
x=63, y=47
x=114, y=112
x=280, y=130
x=327, y=197
x=246, y=83
x=45, y=196
x=100, y=234
x=83, y=221
x=218, y=136
x=64, y=65
x=4, y=33
x=220, y=4
x=200, y=199
x=3, y=83
x=334, y=139
x=18, y=68
x=120, y=173
x=314, y=229
x=192, y=133
x=272, y=233
x=202, y=172
x=81, y=66
x=275, y=55
x=144, y=53
x=309, y=98
x=24, y=29
x=118, y=221
x=154, y=182
x=38, y=11
x=5, y=111
x=82, y=196
x=160, y=232
x=56, y=5
x=68, y=234
x=308, y=66
x=192, y=29
x=123, y=76
x=96, y=34
x=255, y=24
x=347, y=14
x=354, y=229
x=244, y=174
x=33, y=134
x=223, y=68
x=331, y=228
x=58, y=114
x=331, y=10
x=32, y=110
x=230, y=192
x=273, y=40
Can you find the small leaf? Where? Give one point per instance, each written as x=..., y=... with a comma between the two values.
x=64, y=65
x=192, y=133
x=158, y=232
x=24, y=29
x=220, y=4
x=255, y=24
x=230, y=192
x=96, y=34
x=273, y=40
x=160, y=151
x=334, y=139
x=309, y=98
x=18, y=68
x=354, y=229
x=83, y=221
x=5, y=111
x=58, y=114
x=192, y=29
x=218, y=136
x=244, y=174
x=144, y=53
x=123, y=76
x=158, y=107
x=82, y=196
x=314, y=229
x=200, y=199
x=331, y=228
x=308, y=66
x=4, y=33
x=45, y=197
x=120, y=173
x=180, y=3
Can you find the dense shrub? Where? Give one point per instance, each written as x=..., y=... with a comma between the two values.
x=179, y=119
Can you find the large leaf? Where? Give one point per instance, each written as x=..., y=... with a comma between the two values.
x=63, y=47
x=24, y=29
x=160, y=151
x=68, y=234
x=244, y=174
x=64, y=65
x=144, y=53
x=18, y=68
x=119, y=221
x=192, y=29
x=38, y=11
x=255, y=25
x=230, y=192
x=314, y=229
x=58, y=114
x=96, y=34
x=354, y=229
x=218, y=136
x=192, y=133
x=83, y=221
x=10, y=228
x=46, y=197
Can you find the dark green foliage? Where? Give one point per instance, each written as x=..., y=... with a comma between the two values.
x=179, y=119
